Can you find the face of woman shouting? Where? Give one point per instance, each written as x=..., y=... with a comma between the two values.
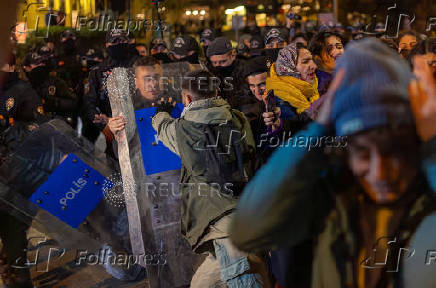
x=305, y=65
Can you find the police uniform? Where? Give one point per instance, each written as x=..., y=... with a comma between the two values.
x=69, y=69
x=21, y=111
x=59, y=101
x=96, y=100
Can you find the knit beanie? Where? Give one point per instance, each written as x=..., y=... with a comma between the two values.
x=374, y=89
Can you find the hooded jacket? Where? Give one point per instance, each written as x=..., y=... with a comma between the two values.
x=297, y=205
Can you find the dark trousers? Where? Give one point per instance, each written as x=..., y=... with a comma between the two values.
x=14, y=252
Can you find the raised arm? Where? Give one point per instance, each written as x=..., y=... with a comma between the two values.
x=281, y=204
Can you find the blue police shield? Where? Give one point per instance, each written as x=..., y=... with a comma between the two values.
x=71, y=192
x=156, y=156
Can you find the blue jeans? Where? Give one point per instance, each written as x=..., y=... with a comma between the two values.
x=234, y=264
x=227, y=266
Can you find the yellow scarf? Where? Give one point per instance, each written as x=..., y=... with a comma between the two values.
x=300, y=94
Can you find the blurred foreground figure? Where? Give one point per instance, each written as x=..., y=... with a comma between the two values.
x=365, y=205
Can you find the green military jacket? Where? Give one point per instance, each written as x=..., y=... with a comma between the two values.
x=209, y=191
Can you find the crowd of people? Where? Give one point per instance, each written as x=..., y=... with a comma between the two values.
x=326, y=139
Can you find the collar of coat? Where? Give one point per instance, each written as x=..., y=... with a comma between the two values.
x=214, y=110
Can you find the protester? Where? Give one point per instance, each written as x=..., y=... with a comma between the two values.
x=426, y=47
x=228, y=69
x=390, y=42
x=148, y=74
x=406, y=41
x=300, y=39
x=270, y=132
x=326, y=48
x=341, y=141
x=149, y=93
x=206, y=213
x=293, y=80
x=142, y=49
x=264, y=124
x=375, y=196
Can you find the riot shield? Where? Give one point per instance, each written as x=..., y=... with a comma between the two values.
x=152, y=214
x=54, y=183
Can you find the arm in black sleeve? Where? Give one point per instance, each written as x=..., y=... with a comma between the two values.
x=90, y=99
x=63, y=101
x=30, y=103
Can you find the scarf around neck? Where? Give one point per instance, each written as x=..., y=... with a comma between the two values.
x=299, y=93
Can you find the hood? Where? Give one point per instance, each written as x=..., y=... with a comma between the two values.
x=208, y=111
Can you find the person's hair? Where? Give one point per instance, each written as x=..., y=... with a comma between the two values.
x=317, y=43
x=145, y=61
x=201, y=84
x=405, y=33
x=300, y=35
x=423, y=47
x=389, y=42
x=254, y=73
x=141, y=44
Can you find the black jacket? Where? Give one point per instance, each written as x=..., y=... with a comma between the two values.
x=232, y=86
x=19, y=101
x=96, y=100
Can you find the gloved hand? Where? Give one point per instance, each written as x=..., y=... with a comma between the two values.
x=165, y=105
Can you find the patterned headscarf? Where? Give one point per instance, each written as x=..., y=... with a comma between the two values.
x=286, y=64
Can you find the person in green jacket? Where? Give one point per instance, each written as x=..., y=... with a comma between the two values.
x=217, y=150
x=369, y=208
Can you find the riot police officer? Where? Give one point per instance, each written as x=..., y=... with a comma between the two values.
x=59, y=100
x=20, y=113
x=69, y=67
x=96, y=101
x=89, y=59
x=20, y=109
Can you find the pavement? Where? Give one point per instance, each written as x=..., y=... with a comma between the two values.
x=65, y=271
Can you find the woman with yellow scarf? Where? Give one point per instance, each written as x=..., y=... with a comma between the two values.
x=293, y=79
